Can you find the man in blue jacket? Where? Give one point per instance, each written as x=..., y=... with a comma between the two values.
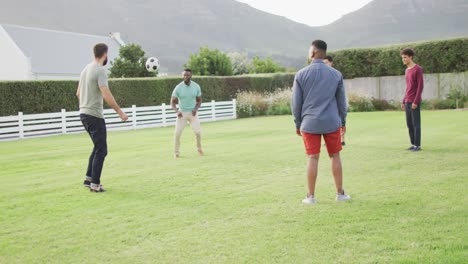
x=319, y=106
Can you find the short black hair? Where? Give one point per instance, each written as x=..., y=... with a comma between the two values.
x=320, y=44
x=100, y=49
x=188, y=70
x=407, y=51
x=328, y=58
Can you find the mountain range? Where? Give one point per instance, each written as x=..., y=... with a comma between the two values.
x=173, y=29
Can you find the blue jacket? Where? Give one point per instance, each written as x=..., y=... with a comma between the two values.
x=319, y=103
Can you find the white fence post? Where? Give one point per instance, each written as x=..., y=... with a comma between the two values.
x=64, y=121
x=20, y=125
x=213, y=110
x=134, y=117
x=163, y=115
x=234, y=108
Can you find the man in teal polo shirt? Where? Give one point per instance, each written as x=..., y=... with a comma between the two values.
x=188, y=95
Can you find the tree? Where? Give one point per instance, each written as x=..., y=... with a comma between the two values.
x=265, y=66
x=240, y=63
x=210, y=62
x=130, y=63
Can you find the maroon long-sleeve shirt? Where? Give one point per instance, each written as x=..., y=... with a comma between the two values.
x=414, y=85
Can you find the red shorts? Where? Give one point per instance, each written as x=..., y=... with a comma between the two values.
x=312, y=142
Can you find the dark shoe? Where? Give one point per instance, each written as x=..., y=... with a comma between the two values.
x=416, y=149
x=87, y=184
x=97, y=189
x=343, y=143
x=410, y=148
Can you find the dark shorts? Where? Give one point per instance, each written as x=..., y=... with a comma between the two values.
x=312, y=142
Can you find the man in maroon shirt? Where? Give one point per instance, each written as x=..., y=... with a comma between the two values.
x=412, y=101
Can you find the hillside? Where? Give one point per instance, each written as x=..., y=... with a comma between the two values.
x=172, y=29
x=384, y=22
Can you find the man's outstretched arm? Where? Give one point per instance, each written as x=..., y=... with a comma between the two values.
x=110, y=100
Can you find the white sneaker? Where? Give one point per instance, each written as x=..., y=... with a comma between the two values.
x=309, y=200
x=342, y=197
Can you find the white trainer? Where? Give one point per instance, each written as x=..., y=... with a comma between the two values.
x=310, y=199
x=342, y=197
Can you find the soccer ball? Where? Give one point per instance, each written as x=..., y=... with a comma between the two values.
x=152, y=64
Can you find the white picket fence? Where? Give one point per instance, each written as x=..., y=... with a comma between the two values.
x=38, y=125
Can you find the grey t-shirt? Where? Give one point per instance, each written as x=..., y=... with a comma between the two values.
x=91, y=101
x=319, y=101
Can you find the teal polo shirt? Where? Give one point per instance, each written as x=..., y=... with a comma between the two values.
x=187, y=95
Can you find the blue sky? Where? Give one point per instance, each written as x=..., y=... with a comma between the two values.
x=309, y=12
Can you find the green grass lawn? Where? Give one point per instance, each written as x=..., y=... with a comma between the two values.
x=241, y=203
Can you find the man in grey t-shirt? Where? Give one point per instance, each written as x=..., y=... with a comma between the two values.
x=319, y=108
x=92, y=90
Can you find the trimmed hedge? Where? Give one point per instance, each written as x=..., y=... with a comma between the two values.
x=51, y=96
x=434, y=56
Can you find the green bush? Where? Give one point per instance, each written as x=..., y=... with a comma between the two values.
x=259, y=104
x=358, y=103
x=427, y=105
x=386, y=61
x=37, y=97
x=51, y=96
x=383, y=105
x=458, y=95
x=251, y=104
x=131, y=63
x=439, y=104
x=396, y=104
x=266, y=65
x=210, y=62
x=280, y=102
x=456, y=98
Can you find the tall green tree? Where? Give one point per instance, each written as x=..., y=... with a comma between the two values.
x=268, y=65
x=210, y=62
x=130, y=63
x=240, y=63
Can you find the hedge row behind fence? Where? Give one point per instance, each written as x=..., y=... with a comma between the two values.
x=434, y=56
x=51, y=96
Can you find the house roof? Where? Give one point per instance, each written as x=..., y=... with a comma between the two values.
x=58, y=52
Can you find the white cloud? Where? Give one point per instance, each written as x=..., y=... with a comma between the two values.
x=309, y=12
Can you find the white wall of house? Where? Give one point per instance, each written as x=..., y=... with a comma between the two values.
x=14, y=65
